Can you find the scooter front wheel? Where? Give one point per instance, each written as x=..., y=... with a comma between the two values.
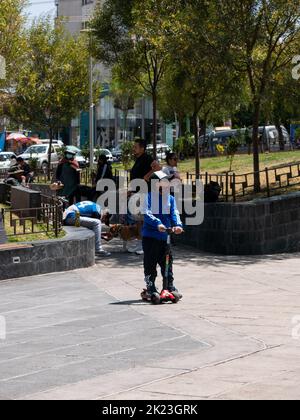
x=155, y=299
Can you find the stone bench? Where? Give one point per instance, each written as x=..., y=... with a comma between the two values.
x=75, y=250
x=8, y=246
x=24, y=198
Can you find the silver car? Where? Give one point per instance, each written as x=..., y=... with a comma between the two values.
x=5, y=160
x=40, y=153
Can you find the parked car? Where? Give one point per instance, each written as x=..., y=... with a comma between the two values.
x=56, y=142
x=117, y=153
x=162, y=150
x=40, y=153
x=270, y=136
x=79, y=157
x=106, y=152
x=5, y=160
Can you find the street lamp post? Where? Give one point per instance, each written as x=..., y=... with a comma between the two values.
x=91, y=114
x=91, y=103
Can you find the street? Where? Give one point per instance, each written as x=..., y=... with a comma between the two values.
x=87, y=335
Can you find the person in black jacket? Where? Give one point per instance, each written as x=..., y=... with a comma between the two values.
x=68, y=173
x=104, y=170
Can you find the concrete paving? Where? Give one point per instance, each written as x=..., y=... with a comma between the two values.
x=87, y=335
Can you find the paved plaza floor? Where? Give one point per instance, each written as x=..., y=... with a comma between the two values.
x=87, y=335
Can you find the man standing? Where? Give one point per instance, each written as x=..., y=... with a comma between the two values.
x=144, y=165
x=143, y=168
x=68, y=173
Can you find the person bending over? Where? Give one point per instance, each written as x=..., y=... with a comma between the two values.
x=91, y=217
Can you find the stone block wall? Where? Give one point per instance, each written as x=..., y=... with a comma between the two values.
x=260, y=227
x=75, y=250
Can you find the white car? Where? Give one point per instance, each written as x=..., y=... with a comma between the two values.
x=54, y=142
x=79, y=157
x=162, y=150
x=40, y=152
x=106, y=152
x=5, y=160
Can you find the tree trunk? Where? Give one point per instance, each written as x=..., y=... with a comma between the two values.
x=197, y=154
x=154, y=100
x=203, y=133
x=280, y=133
x=255, y=142
x=49, y=154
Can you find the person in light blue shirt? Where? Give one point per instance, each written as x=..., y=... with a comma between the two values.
x=160, y=214
x=91, y=217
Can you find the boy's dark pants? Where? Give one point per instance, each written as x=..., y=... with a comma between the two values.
x=155, y=253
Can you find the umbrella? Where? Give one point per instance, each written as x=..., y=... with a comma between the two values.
x=16, y=136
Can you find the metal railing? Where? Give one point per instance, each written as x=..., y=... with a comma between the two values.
x=44, y=219
x=233, y=186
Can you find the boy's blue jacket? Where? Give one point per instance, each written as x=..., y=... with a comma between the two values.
x=167, y=215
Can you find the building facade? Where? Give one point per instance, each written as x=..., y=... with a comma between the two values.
x=112, y=125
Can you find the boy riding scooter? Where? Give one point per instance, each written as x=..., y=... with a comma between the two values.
x=161, y=219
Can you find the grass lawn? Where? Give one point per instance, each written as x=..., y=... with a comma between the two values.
x=242, y=163
x=27, y=237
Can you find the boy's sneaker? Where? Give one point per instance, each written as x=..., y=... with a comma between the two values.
x=149, y=295
x=102, y=253
x=175, y=292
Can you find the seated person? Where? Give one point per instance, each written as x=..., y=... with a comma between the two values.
x=26, y=169
x=15, y=177
x=171, y=169
x=91, y=217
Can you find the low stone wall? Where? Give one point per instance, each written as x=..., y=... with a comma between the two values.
x=44, y=189
x=75, y=250
x=4, y=192
x=259, y=227
x=24, y=198
x=3, y=238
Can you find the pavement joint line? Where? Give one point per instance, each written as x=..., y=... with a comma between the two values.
x=74, y=299
x=245, y=384
x=34, y=290
x=58, y=335
x=48, y=306
x=223, y=362
x=38, y=339
x=269, y=286
x=237, y=333
x=64, y=365
x=69, y=346
x=181, y=331
x=60, y=324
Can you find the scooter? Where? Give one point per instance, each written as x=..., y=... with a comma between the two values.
x=167, y=296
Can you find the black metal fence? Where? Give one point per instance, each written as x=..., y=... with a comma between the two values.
x=44, y=219
x=233, y=186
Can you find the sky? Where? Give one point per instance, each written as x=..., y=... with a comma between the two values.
x=38, y=7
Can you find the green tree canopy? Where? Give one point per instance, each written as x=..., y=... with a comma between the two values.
x=52, y=85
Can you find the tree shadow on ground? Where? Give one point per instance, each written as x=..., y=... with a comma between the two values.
x=187, y=255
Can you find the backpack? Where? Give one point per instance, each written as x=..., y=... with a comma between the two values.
x=212, y=192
